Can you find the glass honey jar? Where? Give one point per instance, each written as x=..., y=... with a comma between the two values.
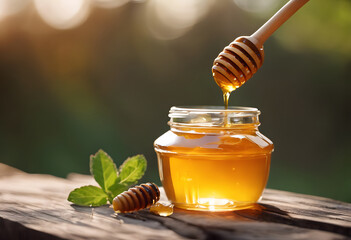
x=213, y=159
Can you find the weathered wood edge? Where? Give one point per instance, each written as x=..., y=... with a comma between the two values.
x=22, y=232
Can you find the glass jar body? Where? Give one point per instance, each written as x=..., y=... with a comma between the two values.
x=219, y=168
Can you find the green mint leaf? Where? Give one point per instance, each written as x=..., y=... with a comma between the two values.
x=88, y=196
x=104, y=170
x=116, y=189
x=132, y=170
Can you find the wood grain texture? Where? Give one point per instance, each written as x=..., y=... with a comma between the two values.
x=34, y=206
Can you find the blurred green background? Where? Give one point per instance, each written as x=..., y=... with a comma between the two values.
x=79, y=75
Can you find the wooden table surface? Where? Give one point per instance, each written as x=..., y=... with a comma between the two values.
x=34, y=206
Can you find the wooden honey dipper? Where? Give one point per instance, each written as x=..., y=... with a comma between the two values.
x=244, y=56
x=136, y=198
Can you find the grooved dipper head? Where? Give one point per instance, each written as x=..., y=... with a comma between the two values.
x=237, y=63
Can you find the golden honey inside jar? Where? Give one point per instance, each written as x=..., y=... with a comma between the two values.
x=213, y=159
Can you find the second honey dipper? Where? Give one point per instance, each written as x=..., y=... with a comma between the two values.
x=136, y=198
x=244, y=56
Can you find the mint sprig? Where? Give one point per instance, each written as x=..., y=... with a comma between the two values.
x=132, y=170
x=88, y=196
x=111, y=181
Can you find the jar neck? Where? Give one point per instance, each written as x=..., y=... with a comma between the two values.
x=216, y=119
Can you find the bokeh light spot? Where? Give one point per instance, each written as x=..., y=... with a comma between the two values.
x=173, y=18
x=63, y=14
x=110, y=3
x=10, y=7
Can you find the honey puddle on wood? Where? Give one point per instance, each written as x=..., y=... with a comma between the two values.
x=162, y=209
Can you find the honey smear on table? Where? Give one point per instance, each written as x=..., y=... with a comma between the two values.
x=162, y=209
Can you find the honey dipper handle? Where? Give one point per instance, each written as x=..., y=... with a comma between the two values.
x=264, y=32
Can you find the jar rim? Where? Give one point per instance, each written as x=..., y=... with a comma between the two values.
x=214, y=109
x=213, y=116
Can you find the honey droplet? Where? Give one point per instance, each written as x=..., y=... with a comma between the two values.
x=162, y=209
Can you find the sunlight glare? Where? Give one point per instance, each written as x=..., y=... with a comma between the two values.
x=63, y=14
x=171, y=19
x=10, y=7
x=212, y=203
x=110, y=3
